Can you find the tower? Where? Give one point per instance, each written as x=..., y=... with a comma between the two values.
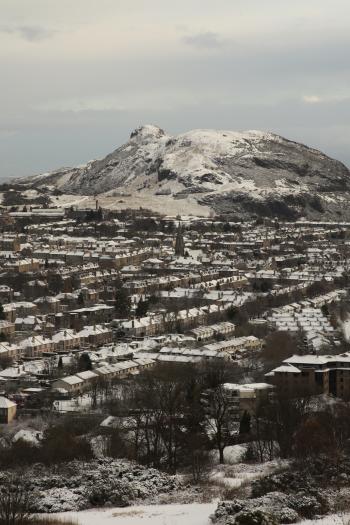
x=179, y=243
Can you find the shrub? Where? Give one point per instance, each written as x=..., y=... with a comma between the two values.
x=60, y=445
x=254, y=517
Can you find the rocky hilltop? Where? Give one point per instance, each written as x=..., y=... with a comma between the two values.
x=248, y=173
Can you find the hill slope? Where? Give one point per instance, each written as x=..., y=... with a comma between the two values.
x=241, y=173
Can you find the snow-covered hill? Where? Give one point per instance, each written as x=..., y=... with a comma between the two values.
x=241, y=173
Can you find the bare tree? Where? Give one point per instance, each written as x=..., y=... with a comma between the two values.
x=15, y=503
x=219, y=418
x=278, y=346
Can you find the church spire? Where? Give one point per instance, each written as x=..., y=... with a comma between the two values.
x=179, y=243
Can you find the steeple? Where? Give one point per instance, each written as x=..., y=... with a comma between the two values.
x=179, y=243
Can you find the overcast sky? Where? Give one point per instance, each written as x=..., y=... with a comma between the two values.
x=77, y=76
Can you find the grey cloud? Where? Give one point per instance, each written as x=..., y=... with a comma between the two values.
x=29, y=33
x=292, y=80
x=206, y=40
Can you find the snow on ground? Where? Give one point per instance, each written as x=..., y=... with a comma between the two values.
x=242, y=473
x=233, y=454
x=30, y=194
x=66, y=201
x=158, y=203
x=346, y=329
x=73, y=405
x=190, y=514
x=28, y=435
x=234, y=473
x=332, y=519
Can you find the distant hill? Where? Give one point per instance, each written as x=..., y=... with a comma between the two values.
x=243, y=174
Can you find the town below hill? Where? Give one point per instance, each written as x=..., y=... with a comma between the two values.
x=148, y=358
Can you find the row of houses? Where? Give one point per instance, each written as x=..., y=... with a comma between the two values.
x=105, y=260
x=203, y=333
x=65, y=340
x=231, y=349
x=236, y=345
x=83, y=381
x=170, y=321
x=308, y=319
x=150, y=284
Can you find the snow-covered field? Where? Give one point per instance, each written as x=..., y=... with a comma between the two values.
x=187, y=514
x=190, y=514
x=146, y=199
x=235, y=473
x=332, y=519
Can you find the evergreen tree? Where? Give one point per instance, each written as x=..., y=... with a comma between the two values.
x=85, y=362
x=122, y=301
x=231, y=313
x=142, y=308
x=55, y=282
x=99, y=215
x=81, y=300
x=244, y=425
x=2, y=313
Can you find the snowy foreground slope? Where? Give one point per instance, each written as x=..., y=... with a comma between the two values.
x=102, y=482
x=239, y=173
x=189, y=514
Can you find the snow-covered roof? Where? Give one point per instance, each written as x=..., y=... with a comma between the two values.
x=6, y=403
x=71, y=380
x=287, y=369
